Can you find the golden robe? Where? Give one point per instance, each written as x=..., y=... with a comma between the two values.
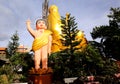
x=41, y=41
x=54, y=24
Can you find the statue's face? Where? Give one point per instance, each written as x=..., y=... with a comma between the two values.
x=40, y=25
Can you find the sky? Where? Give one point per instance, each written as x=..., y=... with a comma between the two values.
x=14, y=13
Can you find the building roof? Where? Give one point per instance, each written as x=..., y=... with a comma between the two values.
x=2, y=48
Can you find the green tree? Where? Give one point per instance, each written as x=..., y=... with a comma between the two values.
x=95, y=64
x=109, y=35
x=69, y=33
x=13, y=45
x=66, y=63
x=11, y=51
x=17, y=61
x=92, y=60
x=73, y=63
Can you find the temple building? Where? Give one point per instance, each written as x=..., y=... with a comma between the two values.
x=21, y=49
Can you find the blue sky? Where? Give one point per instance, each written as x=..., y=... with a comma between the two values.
x=14, y=13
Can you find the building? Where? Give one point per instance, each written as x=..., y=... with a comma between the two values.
x=21, y=49
x=2, y=51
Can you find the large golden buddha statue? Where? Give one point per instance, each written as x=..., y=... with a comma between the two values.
x=54, y=24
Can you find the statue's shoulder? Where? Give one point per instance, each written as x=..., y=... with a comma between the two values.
x=48, y=31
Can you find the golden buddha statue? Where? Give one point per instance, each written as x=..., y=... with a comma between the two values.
x=54, y=24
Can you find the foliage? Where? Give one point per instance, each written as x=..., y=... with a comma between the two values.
x=109, y=35
x=62, y=66
x=95, y=64
x=19, y=67
x=3, y=79
x=72, y=63
x=11, y=51
x=87, y=62
x=67, y=63
x=17, y=61
x=110, y=68
x=8, y=71
x=69, y=33
x=92, y=60
x=13, y=45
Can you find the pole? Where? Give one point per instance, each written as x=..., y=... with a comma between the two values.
x=45, y=9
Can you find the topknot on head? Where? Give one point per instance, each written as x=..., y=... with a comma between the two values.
x=41, y=20
x=53, y=8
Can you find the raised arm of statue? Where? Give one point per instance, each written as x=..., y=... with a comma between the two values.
x=31, y=31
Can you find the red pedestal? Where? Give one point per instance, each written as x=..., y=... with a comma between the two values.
x=40, y=79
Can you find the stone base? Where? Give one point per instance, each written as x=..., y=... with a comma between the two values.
x=40, y=79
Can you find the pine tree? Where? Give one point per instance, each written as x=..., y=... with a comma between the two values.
x=69, y=33
x=66, y=63
x=13, y=45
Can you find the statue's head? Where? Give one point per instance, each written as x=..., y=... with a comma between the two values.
x=53, y=8
x=41, y=24
x=41, y=20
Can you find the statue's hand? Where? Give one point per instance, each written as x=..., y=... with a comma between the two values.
x=28, y=22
